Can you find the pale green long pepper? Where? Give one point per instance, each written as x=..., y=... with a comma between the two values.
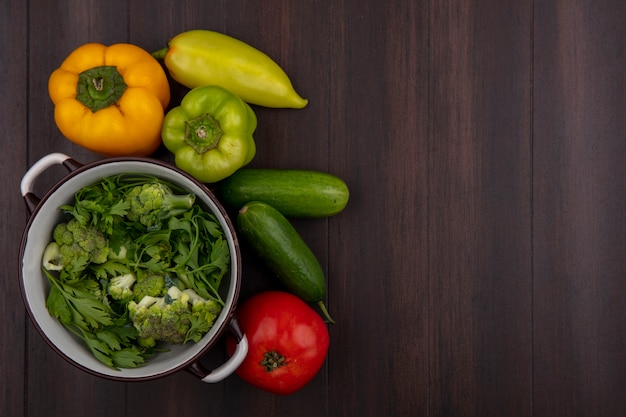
x=201, y=57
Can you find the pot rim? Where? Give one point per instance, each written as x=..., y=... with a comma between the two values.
x=227, y=320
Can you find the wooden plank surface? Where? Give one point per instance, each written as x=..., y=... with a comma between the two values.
x=13, y=131
x=479, y=268
x=386, y=306
x=579, y=237
x=479, y=213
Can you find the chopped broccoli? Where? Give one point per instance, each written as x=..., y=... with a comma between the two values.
x=120, y=288
x=164, y=318
x=74, y=246
x=146, y=342
x=151, y=203
x=88, y=238
x=177, y=317
x=149, y=283
x=203, y=314
x=52, y=257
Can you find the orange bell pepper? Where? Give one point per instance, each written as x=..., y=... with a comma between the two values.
x=110, y=99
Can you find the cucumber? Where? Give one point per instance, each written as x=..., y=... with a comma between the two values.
x=293, y=192
x=284, y=251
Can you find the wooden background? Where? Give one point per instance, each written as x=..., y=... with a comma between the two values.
x=479, y=269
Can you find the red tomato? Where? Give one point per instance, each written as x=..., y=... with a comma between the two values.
x=288, y=342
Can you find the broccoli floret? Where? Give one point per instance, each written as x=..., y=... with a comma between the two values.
x=99, y=255
x=177, y=317
x=199, y=303
x=73, y=256
x=118, y=255
x=62, y=235
x=75, y=246
x=120, y=288
x=152, y=203
x=149, y=283
x=146, y=342
x=88, y=238
x=52, y=257
x=203, y=314
x=165, y=319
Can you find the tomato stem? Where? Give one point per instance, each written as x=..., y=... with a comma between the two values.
x=272, y=360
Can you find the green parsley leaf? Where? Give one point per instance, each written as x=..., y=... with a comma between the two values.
x=57, y=305
x=130, y=357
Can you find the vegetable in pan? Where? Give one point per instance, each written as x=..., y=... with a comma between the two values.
x=137, y=263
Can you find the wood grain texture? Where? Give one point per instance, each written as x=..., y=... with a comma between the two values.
x=479, y=195
x=478, y=269
x=13, y=132
x=379, y=137
x=579, y=239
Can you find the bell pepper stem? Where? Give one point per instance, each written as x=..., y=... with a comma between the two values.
x=203, y=133
x=100, y=87
x=160, y=54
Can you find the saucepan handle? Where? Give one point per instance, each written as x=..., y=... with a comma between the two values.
x=227, y=368
x=47, y=161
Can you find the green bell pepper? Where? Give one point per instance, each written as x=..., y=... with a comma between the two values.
x=210, y=133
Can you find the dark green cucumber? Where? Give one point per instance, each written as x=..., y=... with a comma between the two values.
x=284, y=251
x=293, y=192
